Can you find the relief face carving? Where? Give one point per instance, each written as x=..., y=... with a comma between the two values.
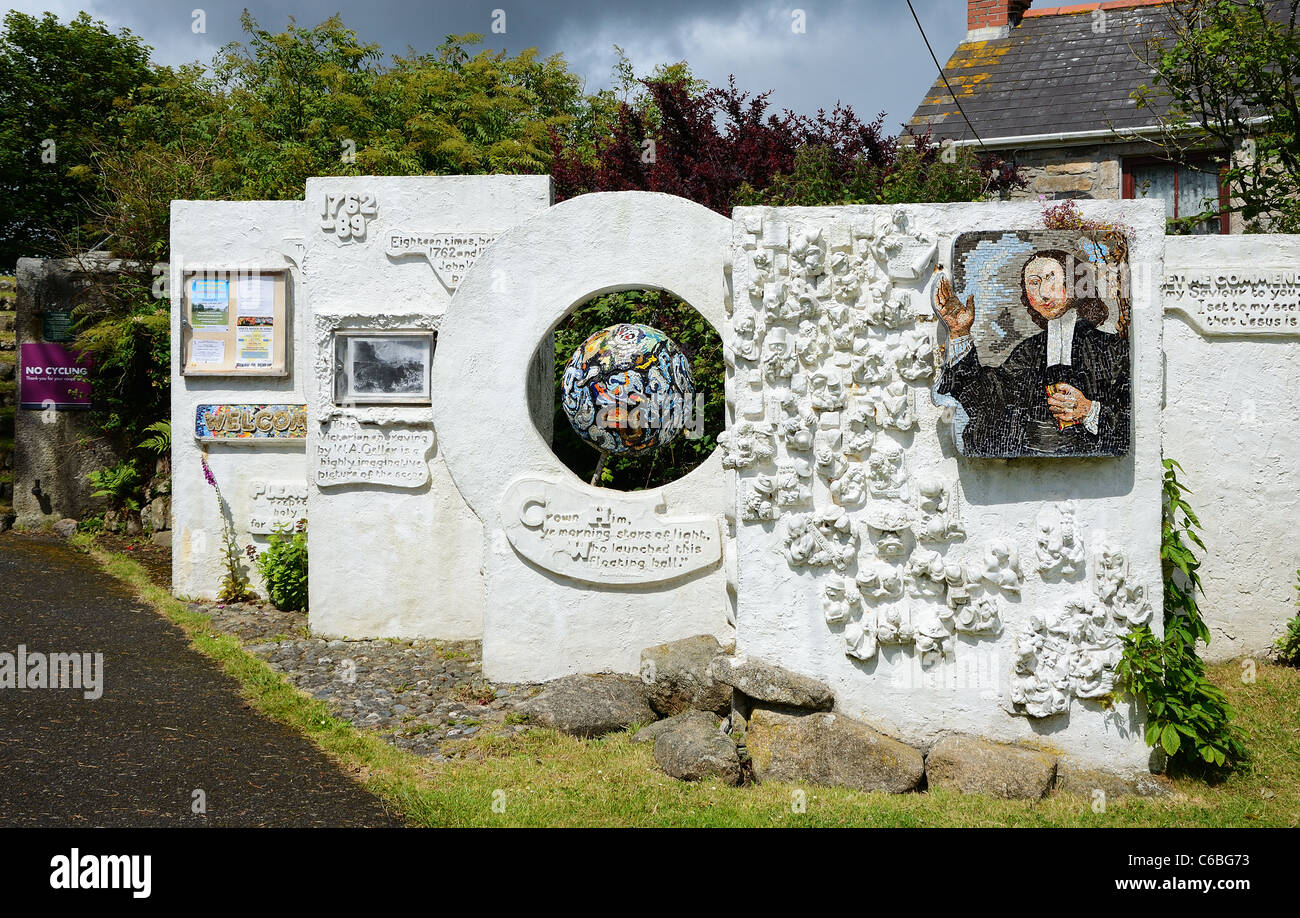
x=798, y=430
x=879, y=580
x=1070, y=654
x=887, y=474
x=838, y=356
x=939, y=517
x=793, y=483
x=744, y=340
x=807, y=542
x=932, y=636
x=926, y=574
x=1110, y=568
x=850, y=489
x=894, y=406
x=860, y=437
x=839, y=600
x=870, y=362
x=895, y=628
x=759, y=504
x=827, y=390
x=1002, y=565
x=914, y=356
x=860, y=639
x=1060, y=545
x=980, y=617
x=778, y=362
x=746, y=444
x=826, y=454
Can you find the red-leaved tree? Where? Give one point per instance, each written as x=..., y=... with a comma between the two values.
x=720, y=147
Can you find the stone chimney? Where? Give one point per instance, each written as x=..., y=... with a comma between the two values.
x=987, y=19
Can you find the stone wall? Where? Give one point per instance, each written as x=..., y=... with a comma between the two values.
x=1092, y=172
x=8, y=400
x=54, y=450
x=1070, y=172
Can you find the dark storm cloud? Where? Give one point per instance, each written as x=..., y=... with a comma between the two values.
x=867, y=54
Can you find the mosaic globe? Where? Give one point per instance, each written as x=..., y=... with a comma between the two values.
x=628, y=389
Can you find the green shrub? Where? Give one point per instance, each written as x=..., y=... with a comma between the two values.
x=283, y=565
x=161, y=441
x=118, y=482
x=1287, y=646
x=1187, y=715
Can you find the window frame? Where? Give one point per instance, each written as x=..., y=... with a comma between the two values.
x=1128, y=185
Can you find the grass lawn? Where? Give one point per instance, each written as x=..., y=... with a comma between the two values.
x=542, y=778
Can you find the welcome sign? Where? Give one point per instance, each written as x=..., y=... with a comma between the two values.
x=53, y=377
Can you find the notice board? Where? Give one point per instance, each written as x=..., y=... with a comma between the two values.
x=235, y=323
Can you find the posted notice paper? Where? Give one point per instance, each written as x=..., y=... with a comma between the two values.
x=206, y=351
x=255, y=298
x=254, y=346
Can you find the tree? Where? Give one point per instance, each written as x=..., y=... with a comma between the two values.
x=721, y=147
x=1227, y=76
x=283, y=106
x=275, y=109
x=61, y=86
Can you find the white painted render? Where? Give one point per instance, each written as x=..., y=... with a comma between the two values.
x=1230, y=421
x=539, y=623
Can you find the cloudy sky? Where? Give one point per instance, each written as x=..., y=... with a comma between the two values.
x=865, y=53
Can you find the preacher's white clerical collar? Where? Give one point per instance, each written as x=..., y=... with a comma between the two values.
x=1060, y=338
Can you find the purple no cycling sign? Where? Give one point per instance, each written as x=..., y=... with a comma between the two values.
x=51, y=376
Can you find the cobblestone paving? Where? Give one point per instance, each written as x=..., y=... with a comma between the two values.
x=425, y=696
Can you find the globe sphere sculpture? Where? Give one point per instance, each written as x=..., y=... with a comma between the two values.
x=628, y=389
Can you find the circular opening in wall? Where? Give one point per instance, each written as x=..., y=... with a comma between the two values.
x=637, y=397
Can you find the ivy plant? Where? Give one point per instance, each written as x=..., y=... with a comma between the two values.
x=1187, y=715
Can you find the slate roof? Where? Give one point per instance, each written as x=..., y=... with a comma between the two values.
x=1052, y=74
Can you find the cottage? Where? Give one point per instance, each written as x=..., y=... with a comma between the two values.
x=1053, y=91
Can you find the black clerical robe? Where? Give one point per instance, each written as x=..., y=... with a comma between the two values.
x=1008, y=408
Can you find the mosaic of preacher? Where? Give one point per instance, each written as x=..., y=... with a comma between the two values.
x=1037, y=358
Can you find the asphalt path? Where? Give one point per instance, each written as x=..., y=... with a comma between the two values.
x=168, y=723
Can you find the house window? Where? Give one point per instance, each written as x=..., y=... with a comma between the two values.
x=1187, y=190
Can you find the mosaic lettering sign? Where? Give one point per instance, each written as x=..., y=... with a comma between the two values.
x=250, y=422
x=275, y=505
x=1037, y=357
x=1237, y=301
x=450, y=254
x=614, y=540
x=348, y=453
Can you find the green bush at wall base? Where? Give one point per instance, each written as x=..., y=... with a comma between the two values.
x=283, y=565
x=1287, y=646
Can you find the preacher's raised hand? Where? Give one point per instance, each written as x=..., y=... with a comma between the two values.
x=957, y=316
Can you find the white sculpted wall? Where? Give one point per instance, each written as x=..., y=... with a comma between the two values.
x=399, y=551
x=1232, y=371
x=578, y=578
x=241, y=237
x=935, y=591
